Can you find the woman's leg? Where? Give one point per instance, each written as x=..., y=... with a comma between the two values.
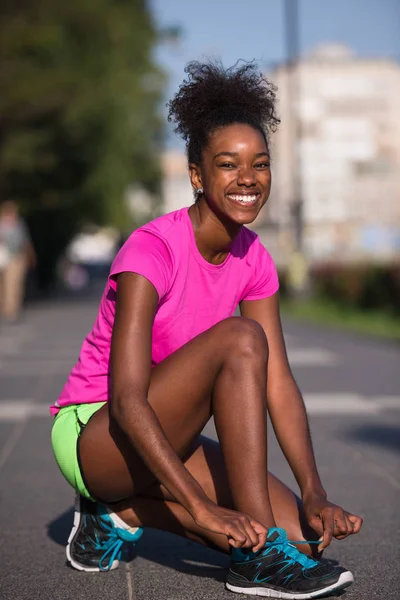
x=222, y=371
x=156, y=508
x=14, y=282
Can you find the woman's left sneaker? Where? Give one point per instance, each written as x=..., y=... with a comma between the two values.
x=279, y=570
x=95, y=543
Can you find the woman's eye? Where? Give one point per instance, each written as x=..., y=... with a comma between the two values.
x=227, y=165
x=264, y=165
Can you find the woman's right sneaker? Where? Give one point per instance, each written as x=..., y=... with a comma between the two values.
x=95, y=542
x=279, y=570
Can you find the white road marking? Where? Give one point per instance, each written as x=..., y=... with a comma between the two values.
x=18, y=410
x=341, y=404
x=388, y=401
x=15, y=410
x=39, y=391
x=310, y=357
x=27, y=368
x=61, y=360
x=317, y=404
x=128, y=573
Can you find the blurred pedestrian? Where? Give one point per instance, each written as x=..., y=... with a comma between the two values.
x=16, y=256
x=165, y=354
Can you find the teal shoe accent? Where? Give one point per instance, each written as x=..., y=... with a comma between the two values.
x=95, y=542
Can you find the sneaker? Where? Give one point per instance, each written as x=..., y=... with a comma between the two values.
x=95, y=543
x=279, y=570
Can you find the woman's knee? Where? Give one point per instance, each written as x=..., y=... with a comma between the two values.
x=244, y=338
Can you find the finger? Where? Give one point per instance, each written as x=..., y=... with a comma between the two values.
x=316, y=524
x=262, y=533
x=327, y=524
x=251, y=533
x=340, y=528
x=235, y=543
x=356, y=522
x=243, y=527
x=326, y=538
x=238, y=537
x=349, y=526
x=243, y=537
x=250, y=537
x=341, y=537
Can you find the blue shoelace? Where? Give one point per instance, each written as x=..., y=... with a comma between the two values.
x=287, y=548
x=290, y=552
x=113, y=546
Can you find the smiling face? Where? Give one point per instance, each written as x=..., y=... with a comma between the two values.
x=235, y=173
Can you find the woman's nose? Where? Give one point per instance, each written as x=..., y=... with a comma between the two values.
x=246, y=176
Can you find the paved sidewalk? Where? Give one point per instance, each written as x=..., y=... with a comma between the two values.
x=352, y=390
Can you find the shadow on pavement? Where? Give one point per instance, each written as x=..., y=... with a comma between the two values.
x=159, y=547
x=182, y=555
x=59, y=529
x=381, y=435
x=163, y=548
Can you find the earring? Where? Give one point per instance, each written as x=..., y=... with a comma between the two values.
x=199, y=191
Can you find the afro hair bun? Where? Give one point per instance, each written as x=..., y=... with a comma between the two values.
x=213, y=97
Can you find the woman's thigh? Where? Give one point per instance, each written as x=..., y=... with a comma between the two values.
x=180, y=394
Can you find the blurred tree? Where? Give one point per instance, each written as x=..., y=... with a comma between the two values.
x=79, y=121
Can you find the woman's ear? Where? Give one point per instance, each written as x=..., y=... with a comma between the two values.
x=195, y=176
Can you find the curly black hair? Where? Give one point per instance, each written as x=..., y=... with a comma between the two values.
x=212, y=97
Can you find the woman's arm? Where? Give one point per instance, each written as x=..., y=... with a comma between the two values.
x=130, y=378
x=289, y=419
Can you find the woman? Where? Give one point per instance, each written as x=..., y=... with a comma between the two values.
x=166, y=354
x=17, y=255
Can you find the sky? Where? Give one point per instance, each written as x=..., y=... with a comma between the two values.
x=254, y=29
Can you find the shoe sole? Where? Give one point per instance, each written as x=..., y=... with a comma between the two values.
x=344, y=581
x=71, y=561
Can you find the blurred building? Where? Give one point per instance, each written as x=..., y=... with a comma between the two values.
x=176, y=189
x=338, y=149
x=340, y=136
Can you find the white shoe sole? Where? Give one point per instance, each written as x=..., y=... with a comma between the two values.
x=344, y=581
x=75, y=565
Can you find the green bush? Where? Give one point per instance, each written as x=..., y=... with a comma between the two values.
x=358, y=286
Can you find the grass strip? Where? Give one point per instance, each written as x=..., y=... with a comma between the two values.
x=322, y=312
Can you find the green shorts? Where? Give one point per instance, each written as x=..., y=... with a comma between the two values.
x=68, y=425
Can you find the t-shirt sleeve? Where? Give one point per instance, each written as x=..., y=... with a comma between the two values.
x=148, y=255
x=264, y=281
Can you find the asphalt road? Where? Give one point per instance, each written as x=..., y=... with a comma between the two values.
x=352, y=390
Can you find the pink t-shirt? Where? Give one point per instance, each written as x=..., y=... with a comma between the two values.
x=193, y=295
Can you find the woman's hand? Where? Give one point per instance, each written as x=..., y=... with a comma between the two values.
x=241, y=530
x=329, y=520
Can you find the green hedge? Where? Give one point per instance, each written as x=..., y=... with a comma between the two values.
x=357, y=286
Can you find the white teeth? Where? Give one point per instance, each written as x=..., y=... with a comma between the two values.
x=244, y=199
